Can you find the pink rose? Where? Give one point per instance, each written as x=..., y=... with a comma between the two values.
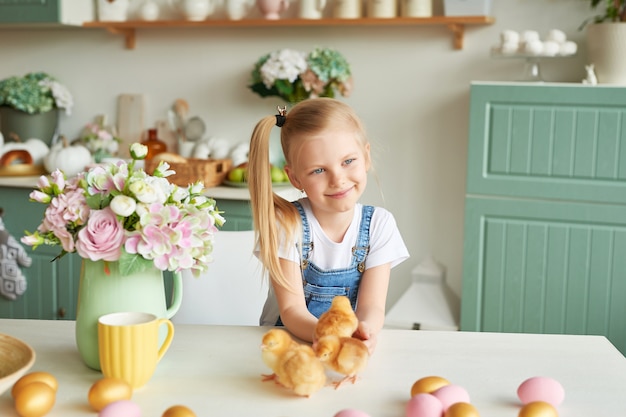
x=102, y=237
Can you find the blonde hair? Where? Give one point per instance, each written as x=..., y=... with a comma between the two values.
x=307, y=118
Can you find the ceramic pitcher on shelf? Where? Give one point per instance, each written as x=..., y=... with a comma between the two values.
x=271, y=9
x=194, y=10
x=312, y=9
x=237, y=9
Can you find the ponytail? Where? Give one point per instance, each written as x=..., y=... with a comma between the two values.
x=268, y=209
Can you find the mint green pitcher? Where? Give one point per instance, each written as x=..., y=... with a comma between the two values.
x=101, y=292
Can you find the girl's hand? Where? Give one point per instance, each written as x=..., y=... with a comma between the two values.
x=364, y=333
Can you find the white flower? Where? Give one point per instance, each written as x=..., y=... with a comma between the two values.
x=123, y=205
x=62, y=96
x=144, y=192
x=284, y=64
x=138, y=151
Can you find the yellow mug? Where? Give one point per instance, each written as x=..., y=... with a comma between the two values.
x=128, y=345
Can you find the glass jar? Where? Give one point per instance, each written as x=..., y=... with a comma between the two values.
x=154, y=144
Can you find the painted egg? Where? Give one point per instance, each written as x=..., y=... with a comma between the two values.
x=538, y=409
x=461, y=410
x=108, y=390
x=451, y=394
x=122, y=408
x=349, y=412
x=34, y=399
x=428, y=385
x=424, y=405
x=178, y=411
x=44, y=377
x=541, y=388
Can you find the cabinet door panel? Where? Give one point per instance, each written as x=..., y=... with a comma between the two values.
x=545, y=267
x=565, y=142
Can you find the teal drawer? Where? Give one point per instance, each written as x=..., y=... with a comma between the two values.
x=548, y=141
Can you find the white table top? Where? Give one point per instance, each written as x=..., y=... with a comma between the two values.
x=215, y=370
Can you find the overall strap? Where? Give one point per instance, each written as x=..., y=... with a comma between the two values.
x=362, y=247
x=307, y=245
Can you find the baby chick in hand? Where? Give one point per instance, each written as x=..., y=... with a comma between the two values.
x=339, y=320
x=345, y=355
x=274, y=344
x=299, y=370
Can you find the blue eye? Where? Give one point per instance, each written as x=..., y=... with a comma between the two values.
x=318, y=171
x=348, y=161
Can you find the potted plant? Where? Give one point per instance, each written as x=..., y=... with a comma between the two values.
x=29, y=106
x=295, y=76
x=606, y=33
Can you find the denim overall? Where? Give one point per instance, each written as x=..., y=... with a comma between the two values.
x=321, y=286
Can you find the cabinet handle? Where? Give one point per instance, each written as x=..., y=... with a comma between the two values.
x=61, y=312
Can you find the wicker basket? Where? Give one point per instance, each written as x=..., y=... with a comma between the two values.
x=210, y=171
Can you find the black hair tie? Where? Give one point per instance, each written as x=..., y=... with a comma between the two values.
x=281, y=116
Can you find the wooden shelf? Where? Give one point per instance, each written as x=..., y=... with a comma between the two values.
x=456, y=24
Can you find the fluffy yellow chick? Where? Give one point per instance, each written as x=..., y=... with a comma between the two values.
x=345, y=355
x=274, y=344
x=299, y=370
x=339, y=320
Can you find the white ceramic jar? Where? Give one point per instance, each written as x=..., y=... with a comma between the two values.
x=348, y=9
x=382, y=8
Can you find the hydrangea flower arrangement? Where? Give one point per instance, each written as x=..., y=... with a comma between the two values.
x=295, y=76
x=114, y=212
x=36, y=92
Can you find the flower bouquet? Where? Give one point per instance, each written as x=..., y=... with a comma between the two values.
x=295, y=76
x=114, y=212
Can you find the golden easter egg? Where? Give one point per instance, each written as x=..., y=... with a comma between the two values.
x=34, y=399
x=461, y=410
x=178, y=411
x=107, y=390
x=44, y=377
x=538, y=409
x=428, y=385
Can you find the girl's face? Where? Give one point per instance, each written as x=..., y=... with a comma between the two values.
x=332, y=169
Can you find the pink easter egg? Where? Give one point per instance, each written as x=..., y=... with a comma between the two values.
x=424, y=405
x=121, y=408
x=540, y=388
x=451, y=394
x=350, y=412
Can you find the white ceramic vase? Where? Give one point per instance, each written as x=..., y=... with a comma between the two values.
x=312, y=9
x=347, y=9
x=606, y=45
x=113, y=10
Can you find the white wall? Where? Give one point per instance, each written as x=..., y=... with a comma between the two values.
x=411, y=89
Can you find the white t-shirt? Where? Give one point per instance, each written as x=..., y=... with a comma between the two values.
x=386, y=246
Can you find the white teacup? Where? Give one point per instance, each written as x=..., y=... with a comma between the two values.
x=194, y=10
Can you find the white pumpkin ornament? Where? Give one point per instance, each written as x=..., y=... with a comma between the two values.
x=71, y=159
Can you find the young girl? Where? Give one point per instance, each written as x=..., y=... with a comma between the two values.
x=326, y=244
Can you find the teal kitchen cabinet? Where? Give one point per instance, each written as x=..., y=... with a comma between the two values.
x=545, y=210
x=70, y=12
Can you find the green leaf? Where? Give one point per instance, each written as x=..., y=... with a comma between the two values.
x=133, y=263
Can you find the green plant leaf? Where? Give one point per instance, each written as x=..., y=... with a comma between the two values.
x=133, y=263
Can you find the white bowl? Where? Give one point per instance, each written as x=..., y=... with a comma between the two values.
x=16, y=357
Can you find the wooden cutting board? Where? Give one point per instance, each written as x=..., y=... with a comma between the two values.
x=130, y=120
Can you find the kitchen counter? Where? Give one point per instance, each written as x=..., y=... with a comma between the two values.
x=219, y=193
x=216, y=371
